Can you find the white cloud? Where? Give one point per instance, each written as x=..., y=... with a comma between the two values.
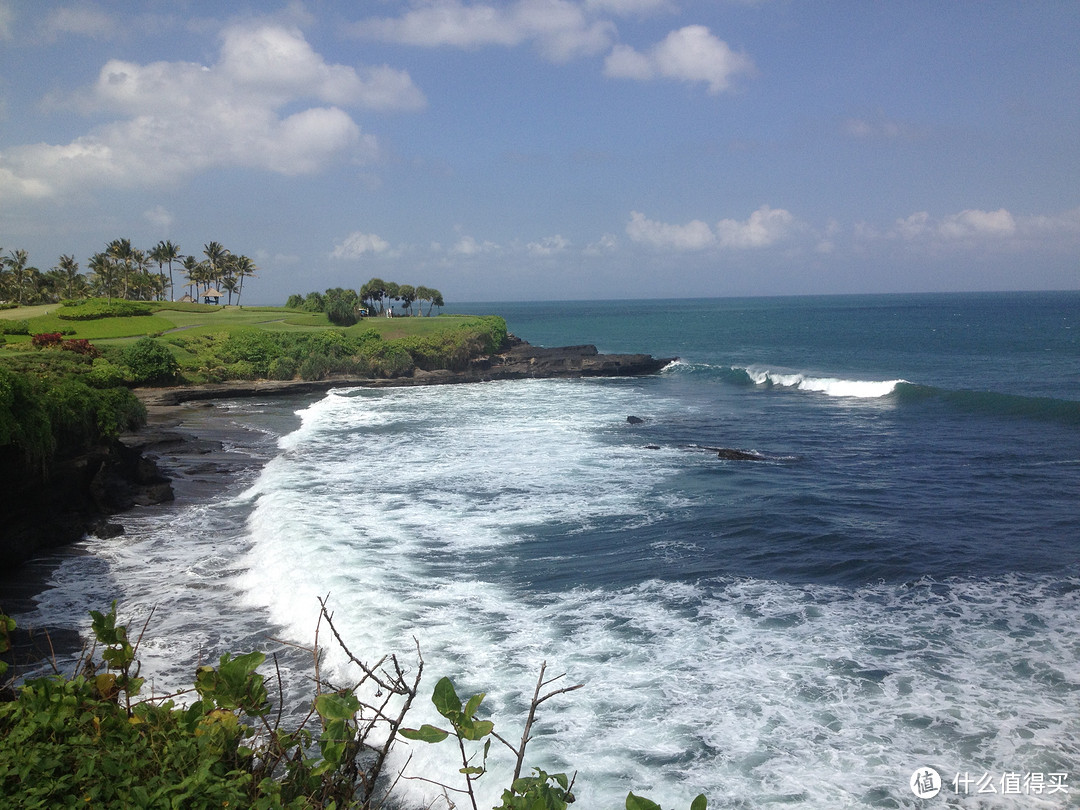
x=548, y=246
x=968, y=224
x=998, y=230
x=358, y=244
x=160, y=217
x=690, y=54
x=764, y=227
x=694, y=235
x=468, y=246
x=561, y=29
x=972, y=223
x=605, y=244
x=181, y=118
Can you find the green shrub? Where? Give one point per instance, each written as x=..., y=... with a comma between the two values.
x=282, y=368
x=14, y=327
x=24, y=419
x=96, y=308
x=315, y=367
x=105, y=374
x=150, y=362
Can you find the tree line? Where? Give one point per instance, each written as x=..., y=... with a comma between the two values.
x=344, y=307
x=127, y=272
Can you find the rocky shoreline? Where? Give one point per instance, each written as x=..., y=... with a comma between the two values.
x=519, y=361
x=80, y=493
x=165, y=459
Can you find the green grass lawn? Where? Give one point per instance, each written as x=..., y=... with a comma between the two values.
x=196, y=319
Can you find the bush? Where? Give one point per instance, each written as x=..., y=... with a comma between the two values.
x=101, y=308
x=104, y=374
x=282, y=368
x=47, y=340
x=150, y=362
x=14, y=327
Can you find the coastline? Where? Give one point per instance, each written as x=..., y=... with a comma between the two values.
x=190, y=445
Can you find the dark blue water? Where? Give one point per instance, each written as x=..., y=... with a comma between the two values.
x=970, y=467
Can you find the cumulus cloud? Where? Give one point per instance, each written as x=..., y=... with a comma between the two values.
x=548, y=246
x=180, y=118
x=561, y=30
x=691, y=54
x=692, y=236
x=469, y=246
x=358, y=244
x=764, y=227
x=968, y=224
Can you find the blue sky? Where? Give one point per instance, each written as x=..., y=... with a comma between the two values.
x=554, y=149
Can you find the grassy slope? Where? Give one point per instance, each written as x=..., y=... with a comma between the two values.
x=201, y=318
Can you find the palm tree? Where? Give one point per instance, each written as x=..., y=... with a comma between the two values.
x=242, y=268
x=166, y=253
x=105, y=271
x=191, y=271
x=68, y=271
x=216, y=260
x=20, y=273
x=229, y=285
x=119, y=250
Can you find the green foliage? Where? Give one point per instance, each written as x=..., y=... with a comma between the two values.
x=24, y=419
x=72, y=741
x=97, y=308
x=14, y=327
x=150, y=362
x=540, y=792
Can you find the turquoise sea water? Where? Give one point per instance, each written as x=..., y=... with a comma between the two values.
x=893, y=585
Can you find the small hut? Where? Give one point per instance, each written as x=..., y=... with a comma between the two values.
x=211, y=297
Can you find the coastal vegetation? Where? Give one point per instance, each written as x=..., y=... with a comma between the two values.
x=92, y=738
x=127, y=272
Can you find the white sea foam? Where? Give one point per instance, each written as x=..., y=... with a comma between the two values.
x=831, y=386
x=410, y=507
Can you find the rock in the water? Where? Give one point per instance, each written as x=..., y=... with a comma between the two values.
x=634, y=420
x=730, y=454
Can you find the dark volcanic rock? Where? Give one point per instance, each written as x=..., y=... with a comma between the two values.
x=634, y=420
x=57, y=506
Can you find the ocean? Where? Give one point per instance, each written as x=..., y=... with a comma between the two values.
x=891, y=584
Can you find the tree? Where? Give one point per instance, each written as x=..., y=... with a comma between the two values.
x=21, y=274
x=216, y=261
x=105, y=271
x=69, y=268
x=243, y=267
x=407, y=294
x=373, y=292
x=193, y=273
x=119, y=251
x=166, y=252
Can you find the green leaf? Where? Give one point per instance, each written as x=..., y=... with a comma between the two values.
x=337, y=706
x=699, y=802
x=445, y=698
x=426, y=733
x=473, y=705
x=477, y=730
x=640, y=803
